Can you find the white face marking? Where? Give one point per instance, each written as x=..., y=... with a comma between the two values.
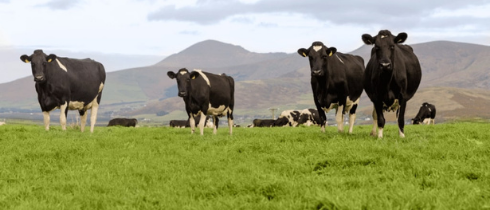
x=383, y=36
x=339, y=59
x=183, y=72
x=316, y=48
x=203, y=76
x=61, y=65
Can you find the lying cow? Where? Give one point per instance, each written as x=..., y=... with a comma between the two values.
x=125, y=122
x=426, y=115
x=288, y=118
x=309, y=117
x=187, y=124
x=263, y=123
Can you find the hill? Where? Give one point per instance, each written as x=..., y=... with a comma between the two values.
x=282, y=80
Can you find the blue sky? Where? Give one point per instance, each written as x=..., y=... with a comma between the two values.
x=153, y=27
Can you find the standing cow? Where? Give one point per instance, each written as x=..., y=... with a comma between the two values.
x=67, y=84
x=336, y=81
x=206, y=94
x=392, y=77
x=426, y=114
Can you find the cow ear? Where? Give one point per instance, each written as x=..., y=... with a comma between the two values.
x=25, y=58
x=401, y=37
x=367, y=39
x=303, y=52
x=51, y=57
x=331, y=51
x=171, y=74
x=194, y=75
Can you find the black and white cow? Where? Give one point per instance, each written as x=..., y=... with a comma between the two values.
x=288, y=118
x=125, y=122
x=309, y=117
x=206, y=94
x=67, y=84
x=263, y=123
x=392, y=77
x=336, y=81
x=426, y=114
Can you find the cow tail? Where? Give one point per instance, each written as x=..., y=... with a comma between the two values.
x=232, y=95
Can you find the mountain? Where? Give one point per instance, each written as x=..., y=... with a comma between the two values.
x=452, y=72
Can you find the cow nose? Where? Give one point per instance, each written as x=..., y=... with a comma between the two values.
x=386, y=65
x=317, y=72
x=182, y=93
x=38, y=78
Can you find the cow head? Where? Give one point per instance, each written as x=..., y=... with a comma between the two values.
x=38, y=61
x=384, y=47
x=183, y=77
x=317, y=54
x=416, y=121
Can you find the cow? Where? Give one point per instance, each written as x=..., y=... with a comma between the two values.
x=125, y=122
x=179, y=123
x=206, y=94
x=336, y=81
x=67, y=84
x=186, y=123
x=309, y=117
x=288, y=118
x=263, y=123
x=392, y=77
x=426, y=114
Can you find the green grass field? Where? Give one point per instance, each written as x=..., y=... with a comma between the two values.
x=445, y=166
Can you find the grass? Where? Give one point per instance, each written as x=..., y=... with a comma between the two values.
x=435, y=167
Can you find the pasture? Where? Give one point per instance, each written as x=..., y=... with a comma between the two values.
x=445, y=166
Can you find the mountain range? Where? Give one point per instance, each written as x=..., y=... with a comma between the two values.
x=455, y=78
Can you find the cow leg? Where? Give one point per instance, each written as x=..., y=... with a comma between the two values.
x=83, y=119
x=352, y=117
x=381, y=119
x=401, y=118
x=215, y=121
x=46, y=119
x=339, y=117
x=192, y=123
x=93, y=114
x=230, y=125
x=63, y=114
x=375, y=122
x=201, y=123
x=323, y=118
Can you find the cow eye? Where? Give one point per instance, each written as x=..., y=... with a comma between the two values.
x=44, y=63
x=392, y=47
x=376, y=48
x=324, y=56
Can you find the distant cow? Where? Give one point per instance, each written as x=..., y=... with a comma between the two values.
x=179, y=123
x=67, y=84
x=336, y=81
x=125, y=122
x=186, y=123
x=392, y=77
x=309, y=117
x=263, y=123
x=288, y=118
x=206, y=94
x=426, y=115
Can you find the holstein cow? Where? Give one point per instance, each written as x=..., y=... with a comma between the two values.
x=336, y=81
x=206, y=94
x=186, y=123
x=263, y=123
x=179, y=123
x=125, y=122
x=392, y=77
x=67, y=84
x=309, y=117
x=426, y=115
x=288, y=118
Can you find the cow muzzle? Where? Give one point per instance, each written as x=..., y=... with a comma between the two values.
x=39, y=78
x=316, y=72
x=385, y=65
x=182, y=94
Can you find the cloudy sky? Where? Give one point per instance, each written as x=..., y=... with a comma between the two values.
x=164, y=27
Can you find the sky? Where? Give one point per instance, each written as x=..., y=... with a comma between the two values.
x=165, y=27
